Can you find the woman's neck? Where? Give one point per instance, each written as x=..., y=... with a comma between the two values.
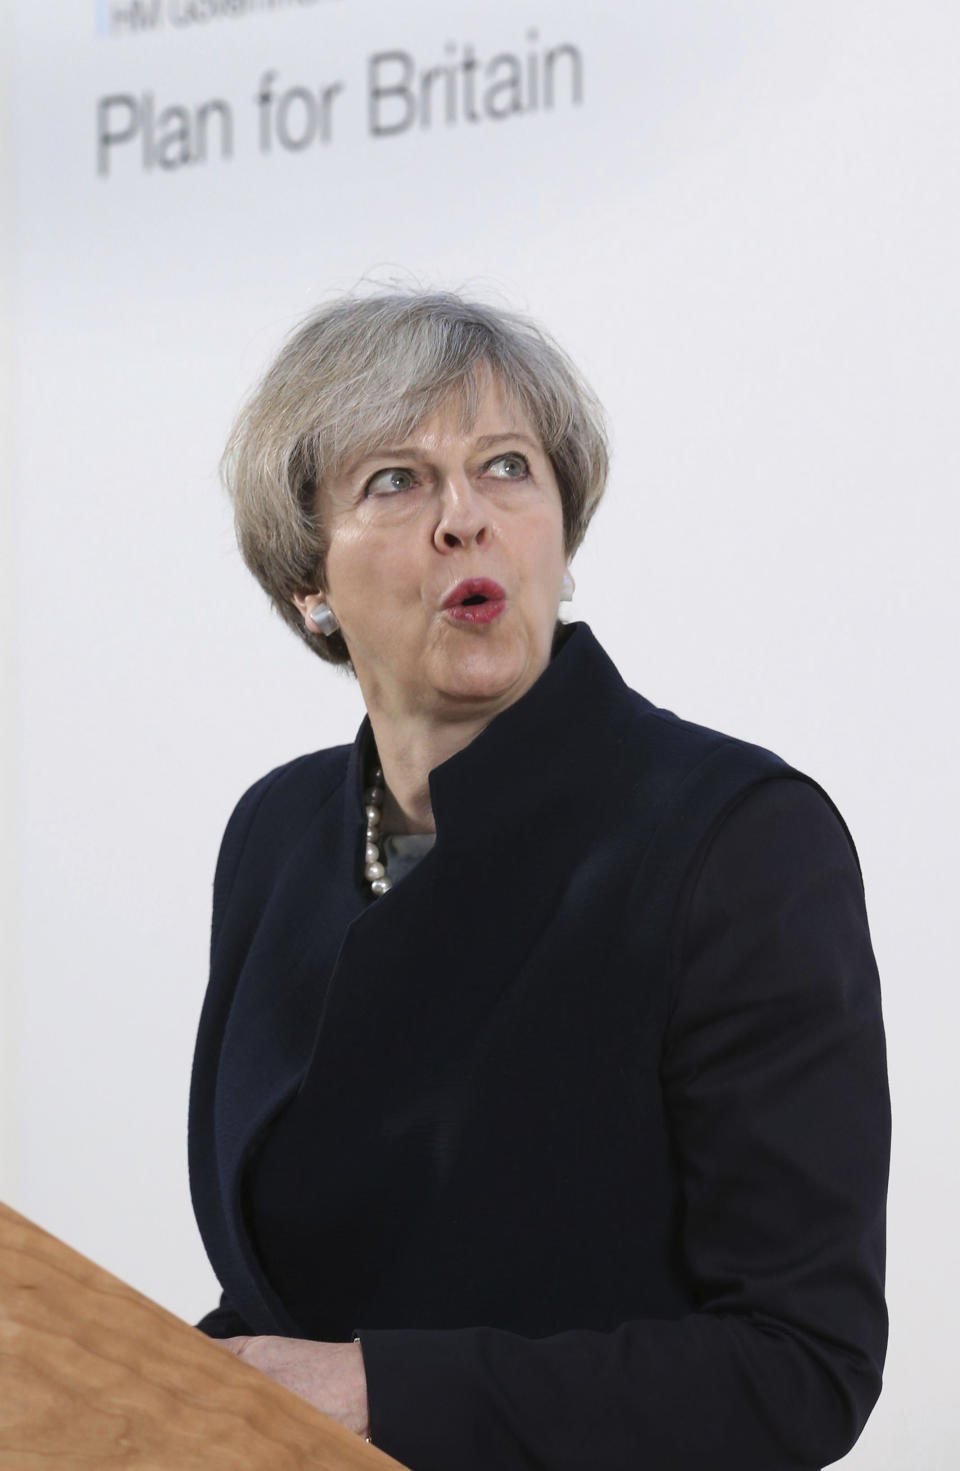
x=409, y=750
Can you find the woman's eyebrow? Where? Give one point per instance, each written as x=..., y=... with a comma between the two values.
x=401, y=451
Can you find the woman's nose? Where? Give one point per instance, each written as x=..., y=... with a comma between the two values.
x=463, y=517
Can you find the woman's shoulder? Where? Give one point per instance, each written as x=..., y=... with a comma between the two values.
x=282, y=803
x=305, y=782
x=727, y=802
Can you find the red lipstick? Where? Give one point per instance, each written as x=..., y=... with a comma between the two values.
x=475, y=600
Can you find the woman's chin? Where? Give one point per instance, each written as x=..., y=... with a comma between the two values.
x=487, y=674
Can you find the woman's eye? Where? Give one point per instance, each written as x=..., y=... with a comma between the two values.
x=386, y=482
x=509, y=467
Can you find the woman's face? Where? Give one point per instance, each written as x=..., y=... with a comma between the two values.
x=408, y=525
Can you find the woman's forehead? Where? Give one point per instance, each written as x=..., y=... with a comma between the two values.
x=479, y=418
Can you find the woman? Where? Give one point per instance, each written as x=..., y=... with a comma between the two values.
x=539, y=1111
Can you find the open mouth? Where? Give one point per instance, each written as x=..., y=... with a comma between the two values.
x=475, y=600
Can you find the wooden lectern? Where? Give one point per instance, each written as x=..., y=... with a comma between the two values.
x=94, y=1375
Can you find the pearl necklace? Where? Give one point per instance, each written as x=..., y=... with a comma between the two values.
x=374, y=868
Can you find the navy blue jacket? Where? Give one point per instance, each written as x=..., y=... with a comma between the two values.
x=583, y=1127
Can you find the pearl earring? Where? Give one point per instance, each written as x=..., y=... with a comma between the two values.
x=325, y=619
x=567, y=589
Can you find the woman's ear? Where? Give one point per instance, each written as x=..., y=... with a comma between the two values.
x=317, y=615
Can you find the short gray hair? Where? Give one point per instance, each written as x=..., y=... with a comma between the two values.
x=365, y=371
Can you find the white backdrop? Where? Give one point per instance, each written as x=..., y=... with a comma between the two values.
x=741, y=219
